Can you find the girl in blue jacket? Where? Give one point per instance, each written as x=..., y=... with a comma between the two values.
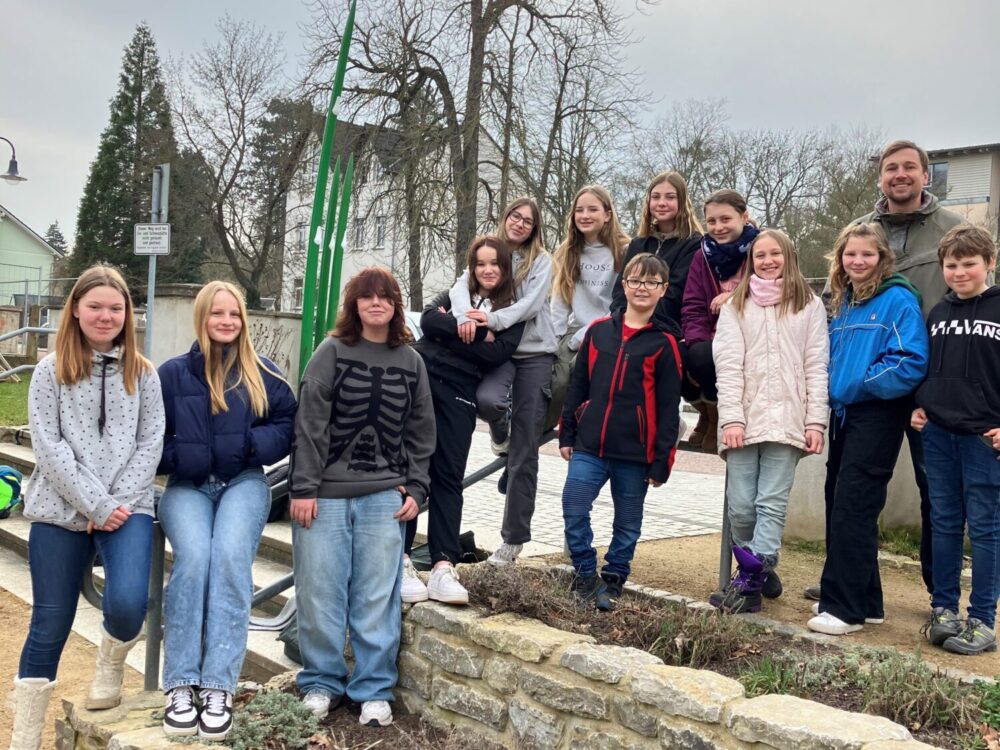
x=229, y=413
x=878, y=356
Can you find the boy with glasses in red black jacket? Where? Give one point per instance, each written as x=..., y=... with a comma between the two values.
x=619, y=423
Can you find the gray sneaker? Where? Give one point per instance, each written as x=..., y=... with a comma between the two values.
x=505, y=554
x=974, y=639
x=941, y=625
x=811, y=592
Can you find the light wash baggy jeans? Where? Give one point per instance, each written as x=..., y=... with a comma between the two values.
x=348, y=567
x=214, y=530
x=760, y=480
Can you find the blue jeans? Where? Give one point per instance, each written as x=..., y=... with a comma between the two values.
x=964, y=478
x=58, y=559
x=759, y=478
x=214, y=530
x=348, y=566
x=587, y=475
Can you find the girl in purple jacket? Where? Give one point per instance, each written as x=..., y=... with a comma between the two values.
x=716, y=270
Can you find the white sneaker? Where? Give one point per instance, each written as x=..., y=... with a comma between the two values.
x=412, y=589
x=868, y=620
x=443, y=586
x=831, y=625
x=180, y=718
x=318, y=703
x=216, y=717
x=376, y=714
x=505, y=554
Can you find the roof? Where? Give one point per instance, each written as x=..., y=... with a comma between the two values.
x=985, y=148
x=5, y=213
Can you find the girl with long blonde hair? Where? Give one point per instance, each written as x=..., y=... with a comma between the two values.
x=96, y=417
x=229, y=413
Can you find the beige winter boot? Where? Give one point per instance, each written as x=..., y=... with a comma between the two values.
x=698, y=433
x=31, y=699
x=106, y=689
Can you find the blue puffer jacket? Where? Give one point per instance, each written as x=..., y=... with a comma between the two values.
x=879, y=348
x=199, y=443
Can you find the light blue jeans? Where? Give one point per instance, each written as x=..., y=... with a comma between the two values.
x=348, y=566
x=760, y=477
x=214, y=530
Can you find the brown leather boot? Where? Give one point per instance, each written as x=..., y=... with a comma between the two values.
x=710, y=443
x=698, y=433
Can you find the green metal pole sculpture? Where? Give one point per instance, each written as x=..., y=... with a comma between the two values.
x=307, y=334
x=325, y=252
x=338, y=255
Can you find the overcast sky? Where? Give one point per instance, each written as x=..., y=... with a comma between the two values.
x=921, y=69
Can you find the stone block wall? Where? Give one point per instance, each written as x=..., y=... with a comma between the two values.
x=514, y=682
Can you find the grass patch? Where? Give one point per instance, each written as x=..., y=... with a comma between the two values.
x=902, y=540
x=14, y=402
x=805, y=546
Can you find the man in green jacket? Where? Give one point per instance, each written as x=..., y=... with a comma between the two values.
x=914, y=223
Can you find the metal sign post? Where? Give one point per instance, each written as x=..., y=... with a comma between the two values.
x=154, y=239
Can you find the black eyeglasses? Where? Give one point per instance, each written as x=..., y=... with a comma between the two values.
x=649, y=284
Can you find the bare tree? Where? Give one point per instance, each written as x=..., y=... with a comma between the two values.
x=225, y=111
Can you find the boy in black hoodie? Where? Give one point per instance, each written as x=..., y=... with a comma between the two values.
x=959, y=414
x=619, y=423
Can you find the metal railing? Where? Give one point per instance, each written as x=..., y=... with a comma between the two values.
x=154, y=617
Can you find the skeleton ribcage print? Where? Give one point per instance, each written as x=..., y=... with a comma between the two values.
x=369, y=405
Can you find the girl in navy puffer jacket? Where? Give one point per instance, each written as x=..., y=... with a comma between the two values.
x=229, y=413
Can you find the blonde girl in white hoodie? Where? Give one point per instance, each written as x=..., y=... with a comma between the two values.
x=771, y=353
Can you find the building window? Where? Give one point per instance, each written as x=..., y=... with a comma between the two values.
x=380, y=232
x=359, y=234
x=301, y=232
x=297, y=294
x=939, y=179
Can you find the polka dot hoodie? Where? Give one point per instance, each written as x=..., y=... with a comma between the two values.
x=84, y=471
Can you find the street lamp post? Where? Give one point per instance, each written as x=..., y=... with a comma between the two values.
x=11, y=176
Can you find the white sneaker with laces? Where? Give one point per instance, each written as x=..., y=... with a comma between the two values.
x=831, y=625
x=216, y=717
x=180, y=719
x=376, y=714
x=412, y=589
x=505, y=554
x=443, y=586
x=868, y=620
x=318, y=703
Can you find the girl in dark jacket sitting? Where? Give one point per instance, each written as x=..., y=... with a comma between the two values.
x=229, y=413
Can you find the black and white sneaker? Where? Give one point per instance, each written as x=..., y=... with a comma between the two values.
x=180, y=719
x=216, y=714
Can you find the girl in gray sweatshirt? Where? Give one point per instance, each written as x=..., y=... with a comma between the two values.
x=96, y=417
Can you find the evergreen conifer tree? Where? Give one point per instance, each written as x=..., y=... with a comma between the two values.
x=55, y=238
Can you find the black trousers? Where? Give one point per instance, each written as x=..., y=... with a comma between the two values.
x=862, y=456
x=700, y=365
x=455, y=415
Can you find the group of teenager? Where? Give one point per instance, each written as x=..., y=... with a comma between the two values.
x=604, y=337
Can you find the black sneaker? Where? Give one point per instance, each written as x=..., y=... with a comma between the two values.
x=180, y=719
x=592, y=590
x=772, y=587
x=216, y=714
x=614, y=584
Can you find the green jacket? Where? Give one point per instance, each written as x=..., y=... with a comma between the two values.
x=914, y=238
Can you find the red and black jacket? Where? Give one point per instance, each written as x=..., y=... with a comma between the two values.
x=623, y=399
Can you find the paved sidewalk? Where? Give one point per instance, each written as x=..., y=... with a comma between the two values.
x=689, y=504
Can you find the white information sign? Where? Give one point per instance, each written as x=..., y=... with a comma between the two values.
x=152, y=239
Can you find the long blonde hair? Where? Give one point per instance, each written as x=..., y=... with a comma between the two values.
x=73, y=353
x=795, y=291
x=686, y=223
x=531, y=248
x=566, y=259
x=240, y=355
x=840, y=283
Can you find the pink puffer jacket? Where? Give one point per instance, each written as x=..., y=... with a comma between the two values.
x=772, y=372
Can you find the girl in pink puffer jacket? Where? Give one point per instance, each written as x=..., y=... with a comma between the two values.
x=771, y=353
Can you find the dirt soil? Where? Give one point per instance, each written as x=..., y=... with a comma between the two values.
x=690, y=565
x=76, y=668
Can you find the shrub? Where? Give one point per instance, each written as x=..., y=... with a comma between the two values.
x=272, y=719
